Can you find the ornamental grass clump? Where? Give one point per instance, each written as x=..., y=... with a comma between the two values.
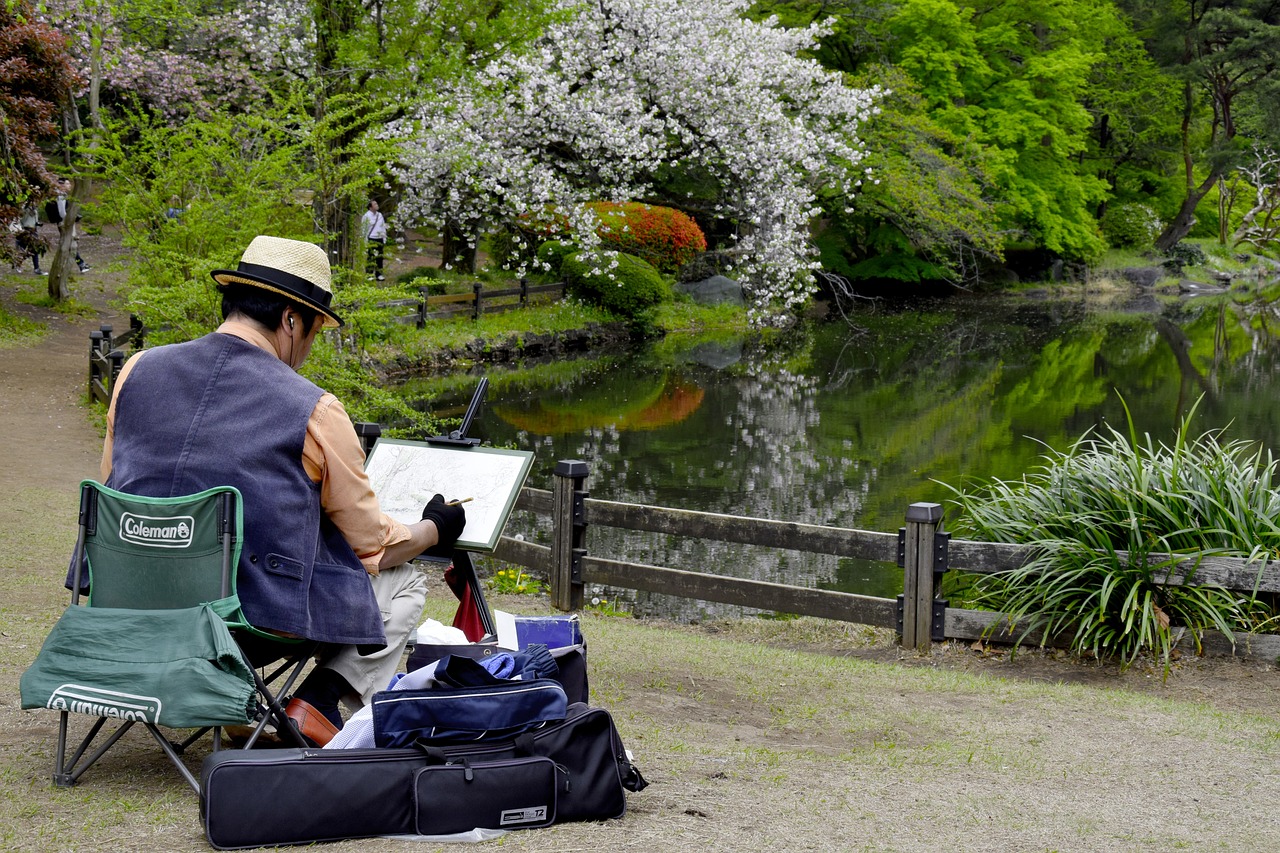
x=1117, y=526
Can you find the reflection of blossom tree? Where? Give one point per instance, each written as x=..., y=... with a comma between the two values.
x=770, y=470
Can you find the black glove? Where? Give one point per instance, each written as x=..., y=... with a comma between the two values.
x=449, y=520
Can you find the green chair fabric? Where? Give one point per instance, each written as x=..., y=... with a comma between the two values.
x=160, y=553
x=177, y=667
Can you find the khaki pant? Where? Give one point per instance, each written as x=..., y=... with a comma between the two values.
x=401, y=592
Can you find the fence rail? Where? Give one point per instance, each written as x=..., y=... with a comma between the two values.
x=919, y=548
x=106, y=356
x=478, y=301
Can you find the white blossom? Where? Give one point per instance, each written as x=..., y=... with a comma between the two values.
x=617, y=88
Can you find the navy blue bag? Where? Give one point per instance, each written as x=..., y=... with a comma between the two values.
x=465, y=715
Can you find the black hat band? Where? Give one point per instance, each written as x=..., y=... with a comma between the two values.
x=288, y=281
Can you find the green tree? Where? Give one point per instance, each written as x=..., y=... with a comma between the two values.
x=1009, y=79
x=1224, y=53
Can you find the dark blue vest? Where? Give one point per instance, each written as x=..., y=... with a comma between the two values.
x=220, y=411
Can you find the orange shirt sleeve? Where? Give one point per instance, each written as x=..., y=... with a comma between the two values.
x=104, y=467
x=332, y=456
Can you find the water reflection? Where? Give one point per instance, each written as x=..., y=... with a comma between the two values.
x=832, y=427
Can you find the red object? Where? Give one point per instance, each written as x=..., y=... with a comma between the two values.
x=467, y=617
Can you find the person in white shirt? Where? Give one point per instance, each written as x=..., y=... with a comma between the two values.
x=375, y=234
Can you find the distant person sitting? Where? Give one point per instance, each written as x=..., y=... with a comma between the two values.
x=75, y=241
x=320, y=559
x=375, y=232
x=176, y=209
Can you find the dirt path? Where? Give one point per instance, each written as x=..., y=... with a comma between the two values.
x=45, y=422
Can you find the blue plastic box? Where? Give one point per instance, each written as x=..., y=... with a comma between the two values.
x=555, y=632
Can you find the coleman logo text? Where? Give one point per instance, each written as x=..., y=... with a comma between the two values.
x=172, y=532
x=96, y=702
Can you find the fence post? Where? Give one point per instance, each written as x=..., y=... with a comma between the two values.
x=116, y=359
x=524, y=291
x=475, y=289
x=368, y=433
x=424, y=292
x=923, y=520
x=137, y=332
x=568, y=532
x=95, y=345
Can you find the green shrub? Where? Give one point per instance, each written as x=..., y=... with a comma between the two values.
x=1187, y=254
x=1130, y=225
x=663, y=236
x=1105, y=495
x=553, y=252
x=628, y=290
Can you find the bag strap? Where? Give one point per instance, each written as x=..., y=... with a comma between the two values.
x=435, y=755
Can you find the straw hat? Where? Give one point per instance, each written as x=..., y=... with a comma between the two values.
x=290, y=268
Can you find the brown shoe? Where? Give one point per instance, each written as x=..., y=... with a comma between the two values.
x=313, y=725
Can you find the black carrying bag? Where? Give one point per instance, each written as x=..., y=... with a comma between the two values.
x=261, y=798
x=587, y=749
x=460, y=796
x=271, y=797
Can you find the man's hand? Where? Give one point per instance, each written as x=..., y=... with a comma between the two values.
x=449, y=520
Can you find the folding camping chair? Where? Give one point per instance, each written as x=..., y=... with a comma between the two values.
x=155, y=641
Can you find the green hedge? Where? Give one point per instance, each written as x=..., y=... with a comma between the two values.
x=628, y=290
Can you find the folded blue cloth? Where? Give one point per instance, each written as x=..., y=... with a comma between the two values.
x=535, y=661
x=501, y=665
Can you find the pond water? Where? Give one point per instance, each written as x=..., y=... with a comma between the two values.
x=840, y=426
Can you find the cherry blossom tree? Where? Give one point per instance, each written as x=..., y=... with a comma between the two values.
x=177, y=58
x=615, y=97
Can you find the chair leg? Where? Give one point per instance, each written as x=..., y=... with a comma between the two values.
x=67, y=773
x=173, y=756
x=275, y=709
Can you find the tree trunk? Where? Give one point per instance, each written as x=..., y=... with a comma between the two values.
x=336, y=21
x=457, y=252
x=60, y=268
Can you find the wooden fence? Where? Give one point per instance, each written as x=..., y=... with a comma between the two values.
x=106, y=356
x=920, y=548
x=478, y=301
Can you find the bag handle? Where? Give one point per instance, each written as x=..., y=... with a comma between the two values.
x=434, y=754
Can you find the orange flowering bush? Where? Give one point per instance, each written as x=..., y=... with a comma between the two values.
x=663, y=236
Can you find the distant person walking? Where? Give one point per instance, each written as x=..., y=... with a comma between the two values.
x=375, y=234
x=75, y=237
x=29, y=237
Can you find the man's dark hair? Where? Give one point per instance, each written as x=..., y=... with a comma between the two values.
x=264, y=306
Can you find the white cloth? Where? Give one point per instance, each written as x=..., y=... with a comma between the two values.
x=375, y=225
x=433, y=633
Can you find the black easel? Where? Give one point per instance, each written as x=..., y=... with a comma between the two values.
x=462, y=559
